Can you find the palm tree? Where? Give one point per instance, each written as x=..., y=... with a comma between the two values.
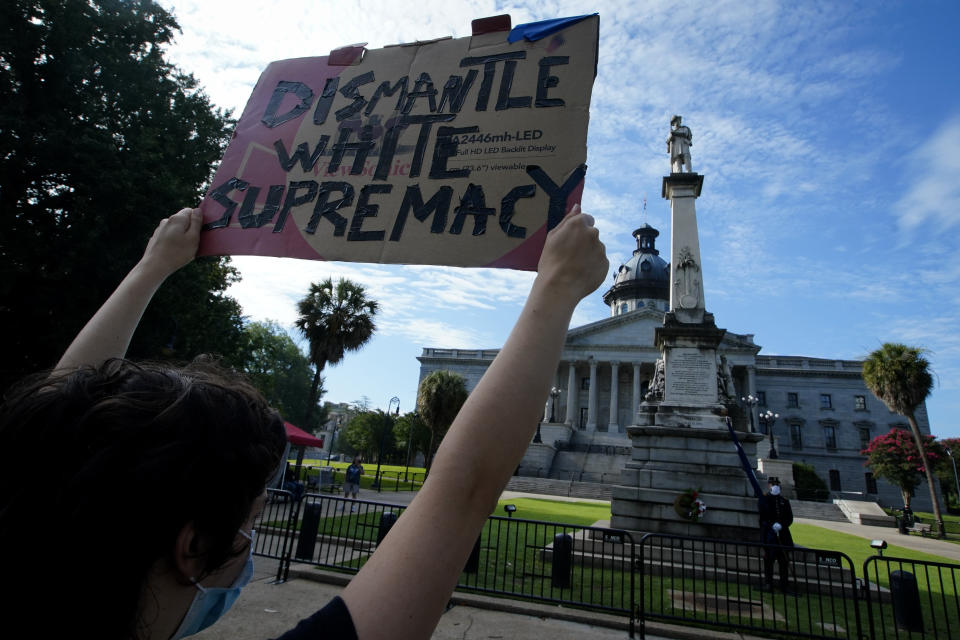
x=900, y=377
x=334, y=318
x=439, y=398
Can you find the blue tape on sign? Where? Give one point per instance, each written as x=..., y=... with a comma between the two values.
x=537, y=30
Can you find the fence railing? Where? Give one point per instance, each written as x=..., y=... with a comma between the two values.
x=579, y=566
x=722, y=584
x=719, y=584
x=911, y=598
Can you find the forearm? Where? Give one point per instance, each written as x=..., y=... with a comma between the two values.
x=107, y=334
x=495, y=425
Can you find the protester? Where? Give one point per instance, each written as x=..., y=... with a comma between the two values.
x=776, y=516
x=165, y=552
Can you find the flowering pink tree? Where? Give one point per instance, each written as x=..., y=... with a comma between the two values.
x=894, y=457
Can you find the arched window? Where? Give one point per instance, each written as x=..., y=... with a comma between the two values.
x=624, y=307
x=645, y=266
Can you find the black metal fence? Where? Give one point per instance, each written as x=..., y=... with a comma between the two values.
x=911, y=598
x=723, y=584
x=716, y=584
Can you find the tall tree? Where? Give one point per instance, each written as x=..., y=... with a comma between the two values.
x=334, y=318
x=282, y=373
x=900, y=377
x=411, y=435
x=100, y=138
x=894, y=457
x=371, y=432
x=439, y=398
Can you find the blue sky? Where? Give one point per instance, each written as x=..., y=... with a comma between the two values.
x=828, y=134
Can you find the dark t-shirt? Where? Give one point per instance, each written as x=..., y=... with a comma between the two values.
x=333, y=622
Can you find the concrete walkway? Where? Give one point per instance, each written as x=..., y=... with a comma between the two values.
x=948, y=550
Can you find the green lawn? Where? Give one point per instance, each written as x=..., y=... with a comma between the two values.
x=857, y=548
x=581, y=513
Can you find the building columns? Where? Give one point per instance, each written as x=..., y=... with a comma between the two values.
x=571, y=395
x=752, y=390
x=592, y=402
x=614, y=400
x=636, y=391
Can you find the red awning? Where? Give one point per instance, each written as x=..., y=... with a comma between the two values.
x=299, y=437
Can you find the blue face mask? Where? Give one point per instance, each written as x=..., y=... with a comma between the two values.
x=212, y=602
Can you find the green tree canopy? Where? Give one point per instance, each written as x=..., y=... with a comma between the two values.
x=100, y=138
x=894, y=457
x=367, y=430
x=900, y=377
x=334, y=318
x=282, y=373
x=439, y=398
x=410, y=429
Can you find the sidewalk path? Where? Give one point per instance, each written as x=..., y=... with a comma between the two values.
x=941, y=548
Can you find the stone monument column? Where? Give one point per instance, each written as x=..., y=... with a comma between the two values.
x=592, y=398
x=680, y=440
x=571, y=394
x=614, y=400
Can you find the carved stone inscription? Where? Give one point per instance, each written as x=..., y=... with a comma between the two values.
x=691, y=376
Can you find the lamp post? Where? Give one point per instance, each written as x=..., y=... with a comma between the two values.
x=383, y=434
x=956, y=482
x=414, y=417
x=767, y=420
x=750, y=402
x=333, y=438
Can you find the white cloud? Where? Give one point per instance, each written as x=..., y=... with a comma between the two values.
x=934, y=194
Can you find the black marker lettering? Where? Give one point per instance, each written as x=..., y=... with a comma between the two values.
x=292, y=200
x=507, y=206
x=325, y=100
x=385, y=90
x=327, y=209
x=307, y=160
x=472, y=203
x=456, y=90
x=504, y=101
x=366, y=210
x=558, y=195
x=446, y=148
x=349, y=90
x=438, y=204
x=427, y=92
x=302, y=91
x=546, y=81
x=489, y=68
x=219, y=195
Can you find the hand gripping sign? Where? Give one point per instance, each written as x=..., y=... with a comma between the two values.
x=461, y=152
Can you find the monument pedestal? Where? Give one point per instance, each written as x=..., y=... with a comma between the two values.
x=666, y=462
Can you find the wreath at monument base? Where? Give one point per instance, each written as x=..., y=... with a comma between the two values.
x=689, y=506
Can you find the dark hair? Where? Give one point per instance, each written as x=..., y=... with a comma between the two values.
x=100, y=469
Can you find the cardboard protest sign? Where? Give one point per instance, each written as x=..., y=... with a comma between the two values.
x=457, y=152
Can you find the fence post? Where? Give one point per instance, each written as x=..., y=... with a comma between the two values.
x=387, y=519
x=905, y=596
x=308, y=531
x=562, y=560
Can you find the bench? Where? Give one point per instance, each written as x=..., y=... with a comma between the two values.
x=919, y=527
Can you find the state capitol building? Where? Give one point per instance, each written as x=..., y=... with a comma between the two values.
x=826, y=413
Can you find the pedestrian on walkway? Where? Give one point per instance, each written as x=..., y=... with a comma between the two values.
x=166, y=552
x=351, y=483
x=776, y=516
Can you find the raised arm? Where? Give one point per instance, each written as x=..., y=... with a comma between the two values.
x=407, y=582
x=107, y=334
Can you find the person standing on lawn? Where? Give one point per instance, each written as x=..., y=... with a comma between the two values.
x=776, y=516
x=351, y=484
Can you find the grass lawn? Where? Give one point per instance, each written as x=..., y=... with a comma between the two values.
x=581, y=513
x=857, y=548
